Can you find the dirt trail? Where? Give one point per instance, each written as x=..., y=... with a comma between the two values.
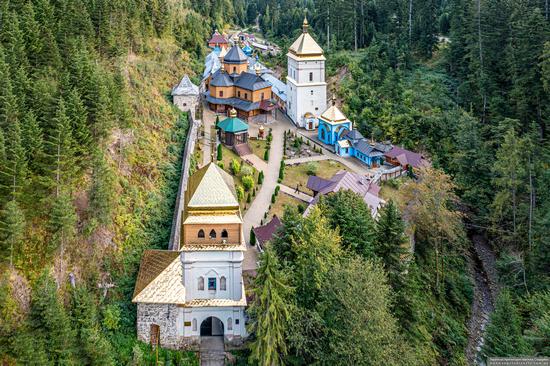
x=482, y=267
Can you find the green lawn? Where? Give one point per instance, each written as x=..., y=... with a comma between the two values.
x=298, y=173
x=227, y=156
x=258, y=147
x=282, y=200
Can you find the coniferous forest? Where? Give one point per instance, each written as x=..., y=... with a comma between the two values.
x=90, y=148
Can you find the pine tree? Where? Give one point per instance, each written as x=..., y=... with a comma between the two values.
x=60, y=150
x=62, y=222
x=12, y=230
x=102, y=190
x=78, y=115
x=33, y=141
x=270, y=312
x=390, y=240
x=14, y=171
x=50, y=320
x=9, y=109
x=347, y=211
x=503, y=335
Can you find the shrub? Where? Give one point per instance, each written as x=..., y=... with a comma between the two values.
x=248, y=183
x=235, y=166
x=261, y=177
x=220, y=164
x=301, y=208
x=279, y=180
x=246, y=170
x=240, y=193
x=273, y=198
x=220, y=153
x=252, y=236
x=248, y=198
x=277, y=189
x=266, y=154
x=312, y=168
x=282, y=170
x=297, y=144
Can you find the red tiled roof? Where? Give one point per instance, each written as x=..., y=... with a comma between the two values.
x=265, y=233
x=218, y=39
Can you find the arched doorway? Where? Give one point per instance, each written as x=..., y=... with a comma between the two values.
x=211, y=326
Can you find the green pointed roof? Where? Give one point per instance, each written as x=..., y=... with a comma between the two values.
x=232, y=124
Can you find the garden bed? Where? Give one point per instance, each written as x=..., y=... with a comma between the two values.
x=296, y=146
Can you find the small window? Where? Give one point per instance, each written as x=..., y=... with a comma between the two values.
x=212, y=283
x=194, y=325
x=221, y=93
x=237, y=321
x=223, y=284
x=234, y=70
x=201, y=233
x=229, y=324
x=262, y=96
x=239, y=93
x=224, y=234
x=245, y=95
x=200, y=284
x=311, y=92
x=310, y=76
x=212, y=234
x=185, y=104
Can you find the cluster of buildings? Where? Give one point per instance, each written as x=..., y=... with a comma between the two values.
x=197, y=289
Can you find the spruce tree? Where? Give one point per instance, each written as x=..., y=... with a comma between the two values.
x=270, y=312
x=62, y=222
x=102, y=190
x=220, y=152
x=390, y=240
x=504, y=336
x=50, y=320
x=12, y=230
x=78, y=115
x=33, y=141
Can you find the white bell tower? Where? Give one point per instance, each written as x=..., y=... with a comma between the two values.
x=306, y=86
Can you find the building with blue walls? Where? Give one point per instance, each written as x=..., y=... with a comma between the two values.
x=336, y=129
x=332, y=124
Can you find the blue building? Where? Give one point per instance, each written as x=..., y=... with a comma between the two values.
x=332, y=124
x=336, y=130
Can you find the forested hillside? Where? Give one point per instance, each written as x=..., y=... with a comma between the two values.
x=468, y=84
x=89, y=152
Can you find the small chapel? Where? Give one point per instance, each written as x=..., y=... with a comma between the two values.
x=198, y=290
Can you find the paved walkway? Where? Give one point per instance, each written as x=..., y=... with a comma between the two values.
x=299, y=195
x=306, y=159
x=212, y=351
x=261, y=203
x=208, y=120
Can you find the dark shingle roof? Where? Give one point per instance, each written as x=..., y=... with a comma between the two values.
x=249, y=81
x=235, y=56
x=237, y=103
x=221, y=78
x=317, y=184
x=352, y=135
x=265, y=233
x=364, y=147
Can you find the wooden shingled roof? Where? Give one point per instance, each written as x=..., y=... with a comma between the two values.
x=152, y=264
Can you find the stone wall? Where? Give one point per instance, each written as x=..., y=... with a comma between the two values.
x=163, y=315
x=190, y=141
x=187, y=103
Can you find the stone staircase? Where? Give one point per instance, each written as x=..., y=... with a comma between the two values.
x=212, y=351
x=242, y=149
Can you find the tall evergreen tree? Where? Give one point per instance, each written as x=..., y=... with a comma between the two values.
x=12, y=230
x=270, y=311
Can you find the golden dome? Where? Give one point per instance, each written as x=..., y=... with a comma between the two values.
x=232, y=113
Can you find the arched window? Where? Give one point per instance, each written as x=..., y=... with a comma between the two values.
x=194, y=325
x=223, y=283
x=224, y=234
x=229, y=324
x=201, y=233
x=212, y=234
x=234, y=70
x=322, y=134
x=200, y=284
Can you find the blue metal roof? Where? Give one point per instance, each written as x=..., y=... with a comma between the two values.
x=277, y=86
